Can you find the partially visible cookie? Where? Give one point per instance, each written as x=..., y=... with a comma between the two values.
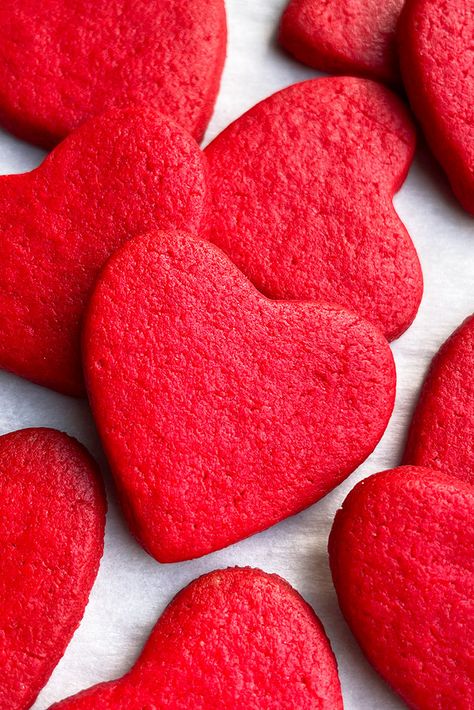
x=302, y=188
x=401, y=554
x=442, y=431
x=52, y=517
x=235, y=639
x=222, y=412
x=118, y=175
x=344, y=36
x=64, y=61
x=435, y=46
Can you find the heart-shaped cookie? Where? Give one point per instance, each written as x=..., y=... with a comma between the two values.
x=442, y=431
x=401, y=553
x=348, y=37
x=435, y=45
x=64, y=61
x=118, y=175
x=223, y=412
x=52, y=517
x=235, y=639
x=302, y=187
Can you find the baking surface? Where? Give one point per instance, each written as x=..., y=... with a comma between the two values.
x=132, y=589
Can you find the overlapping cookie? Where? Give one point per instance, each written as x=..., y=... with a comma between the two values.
x=64, y=61
x=233, y=639
x=223, y=412
x=401, y=554
x=52, y=517
x=344, y=36
x=302, y=188
x=118, y=175
x=442, y=431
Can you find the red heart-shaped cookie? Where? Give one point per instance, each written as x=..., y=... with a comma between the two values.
x=442, y=431
x=344, y=36
x=302, y=186
x=223, y=412
x=401, y=553
x=52, y=517
x=64, y=61
x=238, y=639
x=118, y=175
x=435, y=45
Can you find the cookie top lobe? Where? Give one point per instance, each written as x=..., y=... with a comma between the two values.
x=345, y=37
x=64, y=61
x=120, y=174
x=435, y=47
x=401, y=555
x=442, y=430
x=238, y=639
x=302, y=187
x=52, y=518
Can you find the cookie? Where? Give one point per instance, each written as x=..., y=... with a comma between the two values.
x=52, y=517
x=64, y=61
x=118, y=175
x=302, y=188
x=235, y=639
x=435, y=46
x=223, y=412
x=401, y=554
x=349, y=37
x=442, y=430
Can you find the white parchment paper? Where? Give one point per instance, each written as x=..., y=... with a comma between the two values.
x=132, y=589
